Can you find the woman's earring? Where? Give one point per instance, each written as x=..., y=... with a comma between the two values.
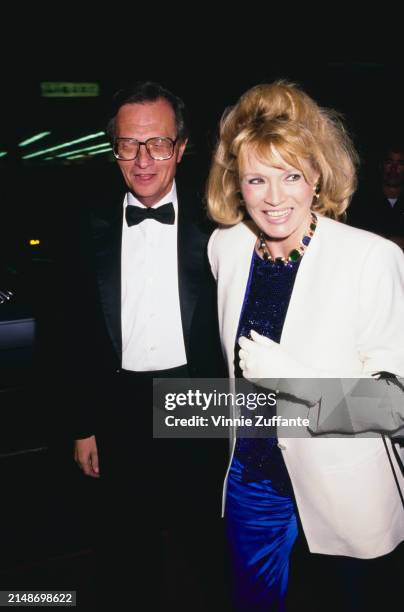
x=317, y=190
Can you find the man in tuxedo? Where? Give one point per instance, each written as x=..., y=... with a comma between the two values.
x=153, y=315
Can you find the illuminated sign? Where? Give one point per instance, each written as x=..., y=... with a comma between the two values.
x=51, y=89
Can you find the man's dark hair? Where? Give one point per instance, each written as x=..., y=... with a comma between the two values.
x=395, y=145
x=149, y=91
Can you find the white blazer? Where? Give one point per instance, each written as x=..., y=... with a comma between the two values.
x=345, y=320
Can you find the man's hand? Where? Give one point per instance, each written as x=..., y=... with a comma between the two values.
x=86, y=456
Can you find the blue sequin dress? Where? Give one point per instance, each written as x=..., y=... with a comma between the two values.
x=260, y=508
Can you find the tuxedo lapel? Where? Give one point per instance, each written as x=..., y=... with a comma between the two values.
x=107, y=234
x=191, y=246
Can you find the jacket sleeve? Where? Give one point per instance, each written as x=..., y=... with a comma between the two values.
x=381, y=310
x=375, y=403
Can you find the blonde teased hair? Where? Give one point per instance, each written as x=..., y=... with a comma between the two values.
x=281, y=116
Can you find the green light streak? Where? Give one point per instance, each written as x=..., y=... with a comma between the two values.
x=64, y=145
x=92, y=148
x=102, y=151
x=28, y=141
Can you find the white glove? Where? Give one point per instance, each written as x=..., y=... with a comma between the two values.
x=264, y=359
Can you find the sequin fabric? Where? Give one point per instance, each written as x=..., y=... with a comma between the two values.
x=266, y=302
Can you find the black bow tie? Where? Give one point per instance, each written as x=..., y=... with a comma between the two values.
x=163, y=214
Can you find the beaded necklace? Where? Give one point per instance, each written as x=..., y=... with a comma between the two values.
x=294, y=254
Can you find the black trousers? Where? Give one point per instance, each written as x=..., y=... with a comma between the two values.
x=154, y=491
x=343, y=584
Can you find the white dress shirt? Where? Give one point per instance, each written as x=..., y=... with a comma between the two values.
x=152, y=336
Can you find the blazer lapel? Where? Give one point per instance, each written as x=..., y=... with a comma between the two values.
x=107, y=235
x=233, y=293
x=308, y=291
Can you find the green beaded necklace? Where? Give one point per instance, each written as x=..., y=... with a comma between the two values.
x=294, y=254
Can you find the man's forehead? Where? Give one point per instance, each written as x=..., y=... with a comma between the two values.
x=157, y=115
x=397, y=154
x=153, y=109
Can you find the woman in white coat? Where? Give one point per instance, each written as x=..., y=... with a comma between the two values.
x=301, y=295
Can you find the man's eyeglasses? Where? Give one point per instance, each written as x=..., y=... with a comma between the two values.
x=158, y=148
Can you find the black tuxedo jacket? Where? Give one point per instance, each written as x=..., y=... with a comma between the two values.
x=97, y=336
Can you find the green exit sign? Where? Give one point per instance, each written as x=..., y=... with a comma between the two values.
x=50, y=89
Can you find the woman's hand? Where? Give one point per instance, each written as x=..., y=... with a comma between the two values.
x=261, y=357
x=267, y=364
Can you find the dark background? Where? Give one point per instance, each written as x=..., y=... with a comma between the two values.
x=367, y=92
